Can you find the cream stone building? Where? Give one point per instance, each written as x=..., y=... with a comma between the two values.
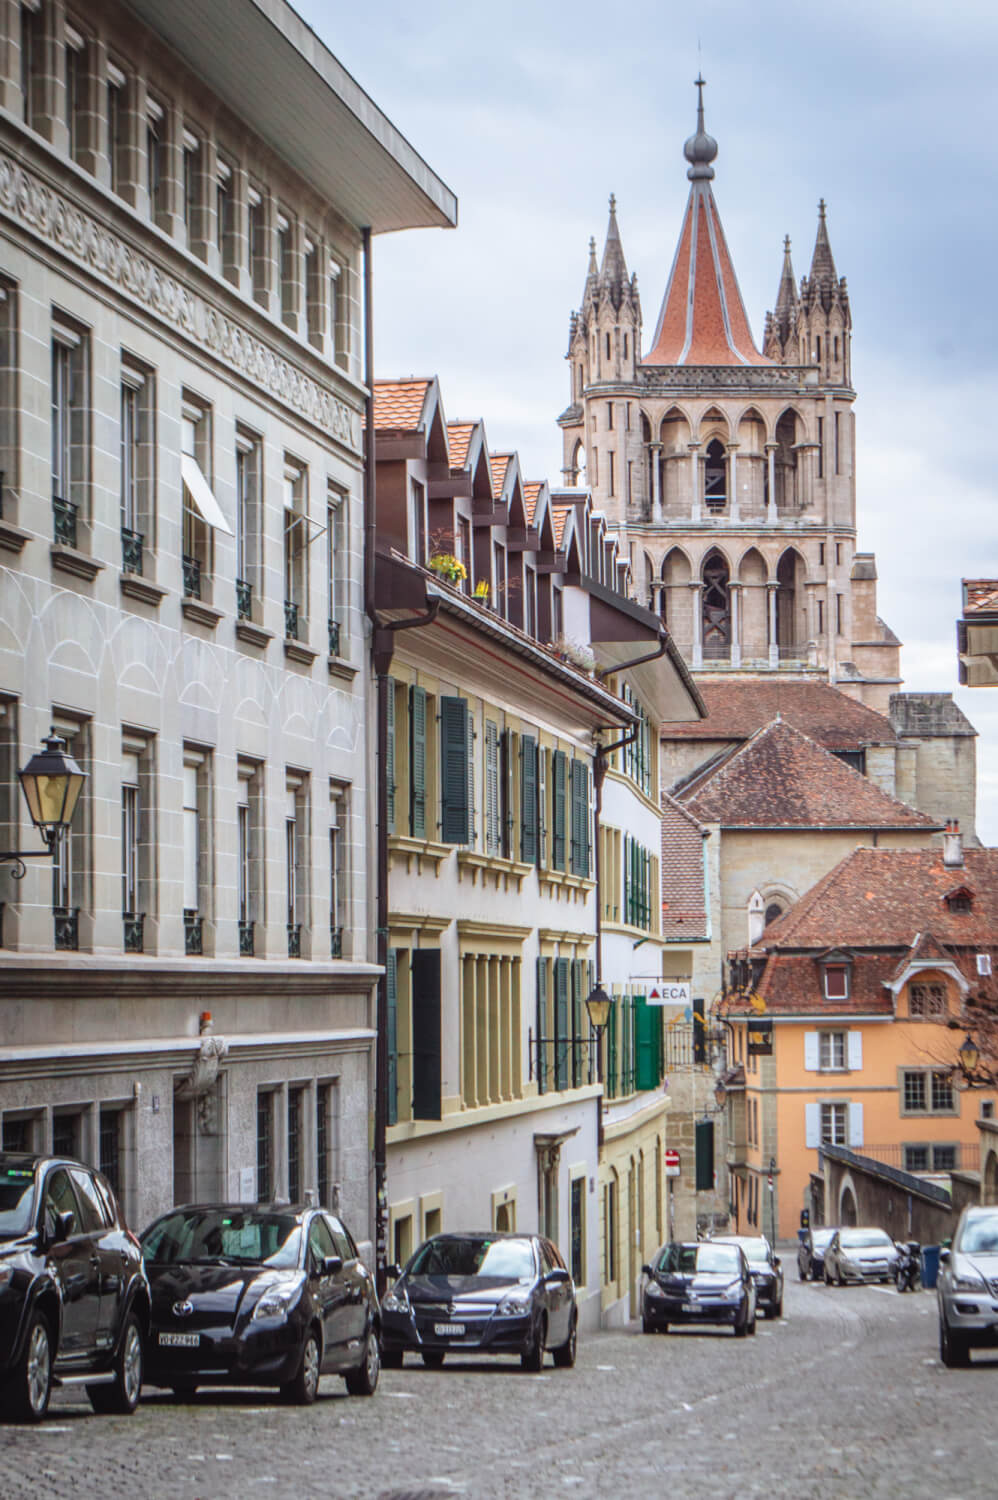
x=186, y=997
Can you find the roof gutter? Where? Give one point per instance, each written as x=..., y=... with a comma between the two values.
x=666, y=647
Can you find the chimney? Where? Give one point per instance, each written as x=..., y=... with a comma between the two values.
x=952, y=845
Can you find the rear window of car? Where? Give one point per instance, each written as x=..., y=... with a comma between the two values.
x=821, y=1238
x=474, y=1257
x=17, y=1194
x=863, y=1239
x=756, y=1251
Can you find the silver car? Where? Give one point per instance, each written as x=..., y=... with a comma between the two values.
x=967, y=1289
x=860, y=1255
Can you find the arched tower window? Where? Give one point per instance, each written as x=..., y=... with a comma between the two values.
x=715, y=608
x=789, y=626
x=715, y=477
x=786, y=463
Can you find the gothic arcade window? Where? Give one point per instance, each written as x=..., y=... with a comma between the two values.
x=716, y=607
x=715, y=477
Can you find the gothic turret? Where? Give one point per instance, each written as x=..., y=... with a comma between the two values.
x=824, y=319
x=780, y=338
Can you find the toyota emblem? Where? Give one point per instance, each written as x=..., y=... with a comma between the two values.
x=183, y=1309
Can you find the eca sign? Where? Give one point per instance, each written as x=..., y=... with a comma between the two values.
x=669, y=992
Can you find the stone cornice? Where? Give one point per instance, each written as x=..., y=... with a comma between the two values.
x=90, y=244
x=44, y=976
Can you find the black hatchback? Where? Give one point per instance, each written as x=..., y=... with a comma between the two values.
x=482, y=1293
x=259, y=1295
x=74, y=1300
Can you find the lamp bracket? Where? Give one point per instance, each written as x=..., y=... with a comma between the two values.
x=16, y=857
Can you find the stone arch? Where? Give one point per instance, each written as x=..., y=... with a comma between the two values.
x=578, y=463
x=715, y=477
x=675, y=430
x=715, y=606
x=791, y=604
x=991, y=1178
x=675, y=433
x=714, y=423
x=676, y=596
x=751, y=434
x=754, y=912
x=649, y=579
x=788, y=432
x=753, y=576
x=847, y=1206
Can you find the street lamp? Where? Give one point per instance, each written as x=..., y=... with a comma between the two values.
x=721, y=1095
x=51, y=783
x=969, y=1056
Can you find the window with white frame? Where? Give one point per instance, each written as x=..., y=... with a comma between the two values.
x=927, y=1000
x=195, y=459
x=71, y=863
x=339, y=314
x=249, y=525
x=197, y=844
x=78, y=113
x=249, y=852
x=834, y=1124
x=70, y=452
x=225, y=221
x=296, y=541
x=130, y=833
x=339, y=849
x=836, y=981
x=192, y=153
x=499, y=593
x=831, y=1050
x=259, y=251
x=315, y=302
x=156, y=179
x=287, y=265
x=117, y=138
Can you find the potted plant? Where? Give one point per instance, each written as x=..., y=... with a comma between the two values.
x=482, y=591
x=447, y=566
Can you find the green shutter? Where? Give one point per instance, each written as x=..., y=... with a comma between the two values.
x=542, y=807
x=389, y=768
x=647, y=1044
x=455, y=748
x=561, y=1026
x=578, y=972
x=417, y=762
x=558, y=797
x=540, y=1037
x=491, y=787
x=506, y=840
x=705, y=1155
x=391, y=985
x=528, y=800
x=611, y=1051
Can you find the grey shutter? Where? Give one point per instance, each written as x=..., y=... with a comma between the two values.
x=389, y=768
x=391, y=985
x=426, y=1034
x=491, y=788
x=455, y=745
x=541, y=1019
x=528, y=800
x=542, y=807
x=705, y=1156
x=558, y=795
x=561, y=1030
x=506, y=834
x=578, y=971
x=417, y=762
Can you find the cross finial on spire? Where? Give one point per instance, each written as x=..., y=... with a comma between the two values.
x=613, y=203
x=821, y=208
x=786, y=244
x=700, y=84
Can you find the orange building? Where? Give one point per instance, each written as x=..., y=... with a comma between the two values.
x=865, y=981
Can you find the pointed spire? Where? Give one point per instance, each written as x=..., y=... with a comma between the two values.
x=613, y=271
x=701, y=148
x=822, y=264
x=593, y=266
x=786, y=297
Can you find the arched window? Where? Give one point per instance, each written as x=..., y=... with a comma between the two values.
x=715, y=608
x=773, y=911
x=786, y=462
x=715, y=477
x=608, y=346
x=625, y=345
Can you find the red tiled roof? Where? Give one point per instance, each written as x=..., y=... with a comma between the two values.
x=560, y=509
x=703, y=319
x=980, y=596
x=782, y=779
x=737, y=709
x=530, y=492
x=684, y=913
x=499, y=463
x=458, y=439
x=398, y=404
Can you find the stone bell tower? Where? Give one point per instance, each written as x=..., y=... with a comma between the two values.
x=730, y=471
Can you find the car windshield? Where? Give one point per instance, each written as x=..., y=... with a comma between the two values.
x=473, y=1257
x=863, y=1239
x=17, y=1194
x=205, y=1236
x=980, y=1236
x=688, y=1260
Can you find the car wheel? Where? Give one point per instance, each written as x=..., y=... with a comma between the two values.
x=647, y=1326
x=741, y=1327
x=302, y=1390
x=31, y=1383
x=122, y=1396
x=532, y=1358
x=432, y=1359
x=564, y=1357
x=391, y=1359
x=364, y=1380
x=778, y=1309
x=953, y=1348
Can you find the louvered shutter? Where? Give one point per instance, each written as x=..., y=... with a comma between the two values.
x=389, y=769
x=705, y=1156
x=611, y=1080
x=812, y=1125
x=561, y=1027
x=580, y=818
x=578, y=975
x=855, y=1050
x=417, y=762
x=528, y=800
x=491, y=787
x=507, y=845
x=426, y=1092
x=543, y=1052
x=391, y=985
x=811, y=1063
x=455, y=746
x=558, y=808
x=645, y=1044
x=855, y=1124
x=542, y=807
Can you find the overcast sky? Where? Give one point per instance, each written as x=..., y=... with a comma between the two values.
x=533, y=113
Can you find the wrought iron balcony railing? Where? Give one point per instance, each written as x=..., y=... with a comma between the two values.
x=336, y=942
x=134, y=931
x=246, y=942
x=290, y=620
x=67, y=928
x=294, y=940
x=131, y=550
x=192, y=577
x=64, y=521
x=193, y=932
x=562, y=1062
x=334, y=637
x=244, y=599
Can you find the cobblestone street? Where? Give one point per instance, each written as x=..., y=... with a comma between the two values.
x=845, y=1398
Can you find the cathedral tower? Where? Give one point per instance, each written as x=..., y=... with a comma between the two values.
x=730, y=472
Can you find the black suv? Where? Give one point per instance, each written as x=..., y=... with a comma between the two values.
x=74, y=1300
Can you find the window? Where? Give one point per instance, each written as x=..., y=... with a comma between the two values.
x=942, y=1093
x=821, y=447
x=530, y=601
x=287, y=260
x=265, y=1185
x=78, y=116
x=197, y=846
x=200, y=513
x=927, y=1000
x=296, y=1141
x=339, y=314
x=32, y=59
x=927, y=1091
x=249, y=852
x=9, y=404
x=336, y=557
x=111, y=1147
x=295, y=550
x=67, y=1134
x=339, y=876
x=192, y=168
x=580, y=819
x=259, y=251
x=456, y=772
x=138, y=447
x=71, y=865
x=492, y=798
x=984, y=964
x=315, y=302
x=610, y=1232
x=837, y=426
x=577, y=1223
x=833, y=1124
x=914, y=1092
x=836, y=981
x=225, y=221
x=500, y=598
x=916, y=1158
x=70, y=453
x=117, y=135
x=418, y=522
x=464, y=554
x=944, y=1158
x=838, y=614
x=156, y=180
x=249, y=525
x=325, y=1143
x=296, y=860
x=831, y=1049
x=136, y=843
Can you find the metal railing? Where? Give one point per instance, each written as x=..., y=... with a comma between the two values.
x=193, y=932
x=336, y=942
x=192, y=577
x=131, y=550
x=717, y=650
x=64, y=521
x=677, y=1048
x=290, y=620
x=334, y=637
x=562, y=1062
x=246, y=940
x=795, y=652
x=244, y=599
x=133, y=924
x=66, y=920
x=294, y=940
x=957, y=1155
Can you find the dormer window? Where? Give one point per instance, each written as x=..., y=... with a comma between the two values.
x=836, y=981
x=959, y=900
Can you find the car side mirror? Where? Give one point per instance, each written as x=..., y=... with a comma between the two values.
x=944, y=1257
x=393, y=1271
x=647, y=1271
x=331, y=1264
x=62, y=1227
x=777, y=1261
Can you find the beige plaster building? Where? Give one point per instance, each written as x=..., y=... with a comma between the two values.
x=186, y=997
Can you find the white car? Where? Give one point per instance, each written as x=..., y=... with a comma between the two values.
x=967, y=1289
x=860, y=1255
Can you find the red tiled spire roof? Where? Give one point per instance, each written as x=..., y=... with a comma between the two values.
x=499, y=463
x=703, y=319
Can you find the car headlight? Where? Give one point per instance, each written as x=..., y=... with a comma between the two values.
x=278, y=1300
x=654, y=1290
x=396, y=1300
x=733, y=1291
x=514, y=1304
x=969, y=1281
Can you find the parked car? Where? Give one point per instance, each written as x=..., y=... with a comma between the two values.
x=698, y=1281
x=811, y=1252
x=967, y=1288
x=859, y=1255
x=74, y=1300
x=766, y=1268
x=259, y=1295
x=482, y=1293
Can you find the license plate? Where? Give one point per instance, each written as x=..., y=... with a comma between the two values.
x=180, y=1340
x=448, y=1330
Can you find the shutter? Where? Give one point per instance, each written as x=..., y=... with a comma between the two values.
x=561, y=1032
x=543, y=1055
x=576, y=853
x=417, y=762
x=390, y=751
x=612, y=1083
x=855, y=1050
x=811, y=1056
x=391, y=985
x=528, y=800
x=699, y=1032
x=855, y=1124
x=506, y=841
x=576, y=1023
x=426, y=1034
x=455, y=739
x=812, y=1125
x=585, y=839
x=705, y=1156
x=491, y=787
x=542, y=806
x=646, y=1044
x=558, y=799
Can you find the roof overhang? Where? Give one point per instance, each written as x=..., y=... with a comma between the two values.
x=274, y=73
x=917, y=966
x=622, y=631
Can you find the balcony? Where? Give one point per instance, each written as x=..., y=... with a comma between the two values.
x=336, y=942
x=64, y=522
x=246, y=939
x=133, y=936
x=334, y=637
x=244, y=599
x=294, y=940
x=67, y=928
x=192, y=577
x=290, y=620
x=131, y=551
x=193, y=932
x=562, y=1062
